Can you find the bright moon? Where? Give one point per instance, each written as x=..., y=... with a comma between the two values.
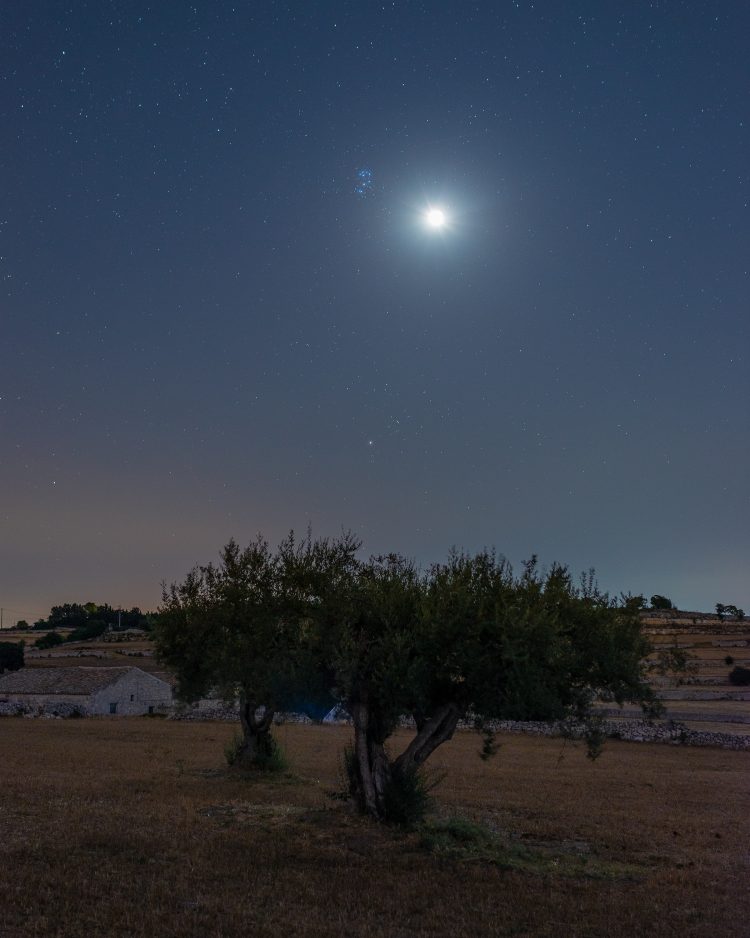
x=435, y=218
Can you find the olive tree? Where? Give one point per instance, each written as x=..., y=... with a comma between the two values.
x=468, y=640
x=232, y=630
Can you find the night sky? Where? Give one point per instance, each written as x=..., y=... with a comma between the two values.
x=222, y=310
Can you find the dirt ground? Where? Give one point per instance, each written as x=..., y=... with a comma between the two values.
x=136, y=827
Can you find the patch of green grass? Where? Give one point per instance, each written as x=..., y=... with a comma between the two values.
x=272, y=760
x=461, y=840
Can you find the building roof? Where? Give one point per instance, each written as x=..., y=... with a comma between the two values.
x=83, y=681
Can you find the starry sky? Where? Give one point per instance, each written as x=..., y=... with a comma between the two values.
x=221, y=311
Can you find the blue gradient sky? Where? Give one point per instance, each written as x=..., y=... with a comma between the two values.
x=207, y=331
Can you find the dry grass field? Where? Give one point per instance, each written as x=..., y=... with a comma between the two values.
x=135, y=827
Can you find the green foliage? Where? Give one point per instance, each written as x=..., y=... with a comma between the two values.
x=723, y=610
x=237, y=628
x=740, y=676
x=233, y=749
x=458, y=837
x=532, y=647
x=269, y=757
x=661, y=602
x=93, y=629
x=50, y=640
x=11, y=656
x=461, y=840
x=88, y=615
x=22, y=625
x=407, y=796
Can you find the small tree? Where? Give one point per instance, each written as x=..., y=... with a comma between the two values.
x=661, y=602
x=234, y=630
x=11, y=656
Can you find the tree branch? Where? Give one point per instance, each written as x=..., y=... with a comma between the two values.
x=434, y=732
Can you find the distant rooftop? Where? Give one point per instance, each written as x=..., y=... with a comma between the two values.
x=83, y=681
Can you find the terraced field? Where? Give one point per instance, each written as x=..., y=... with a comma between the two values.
x=715, y=646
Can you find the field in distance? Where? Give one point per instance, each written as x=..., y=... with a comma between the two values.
x=704, y=699
x=136, y=827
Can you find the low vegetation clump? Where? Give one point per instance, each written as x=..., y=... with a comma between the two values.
x=740, y=676
x=11, y=656
x=49, y=640
x=270, y=758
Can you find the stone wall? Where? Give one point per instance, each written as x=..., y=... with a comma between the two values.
x=638, y=731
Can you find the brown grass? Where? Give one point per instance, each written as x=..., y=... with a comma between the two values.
x=137, y=828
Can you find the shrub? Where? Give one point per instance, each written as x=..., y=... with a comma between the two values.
x=84, y=632
x=272, y=759
x=407, y=797
x=49, y=640
x=11, y=656
x=233, y=748
x=729, y=660
x=740, y=676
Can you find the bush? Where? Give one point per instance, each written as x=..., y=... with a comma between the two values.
x=233, y=748
x=729, y=660
x=407, y=797
x=11, y=656
x=90, y=630
x=50, y=640
x=272, y=759
x=740, y=676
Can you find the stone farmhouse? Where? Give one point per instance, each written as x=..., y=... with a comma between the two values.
x=83, y=691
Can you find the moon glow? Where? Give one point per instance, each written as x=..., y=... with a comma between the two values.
x=435, y=218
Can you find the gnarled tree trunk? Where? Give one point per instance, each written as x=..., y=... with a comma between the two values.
x=371, y=771
x=431, y=733
x=257, y=742
x=370, y=768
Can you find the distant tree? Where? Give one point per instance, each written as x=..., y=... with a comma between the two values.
x=67, y=616
x=11, y=656
x=634, y=602
x=740, y=676
x=721, y=610
x=22, y=625
x=82, y=616
x=92, y=629
x=50, y=640
x=661, y=602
